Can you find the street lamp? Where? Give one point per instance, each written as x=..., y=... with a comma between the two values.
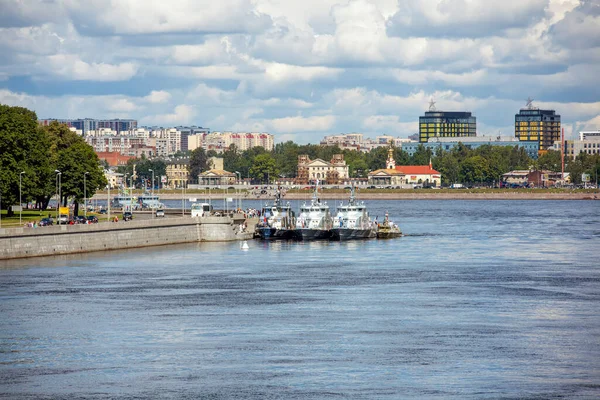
x=20, y=201
x=58, y=178
x=239, y=175
x=151, y=170
x=85, y=195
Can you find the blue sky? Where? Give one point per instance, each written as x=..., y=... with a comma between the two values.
x=302, y=69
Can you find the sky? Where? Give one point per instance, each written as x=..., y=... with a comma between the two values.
x=301, y=70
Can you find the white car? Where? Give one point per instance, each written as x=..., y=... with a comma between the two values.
x=160, y=213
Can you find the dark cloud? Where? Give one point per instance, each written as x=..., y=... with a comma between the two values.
x=18, y=13
x=459, y=18
x=580, y=28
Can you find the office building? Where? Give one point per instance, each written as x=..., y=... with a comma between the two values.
x=446, y=144
x=451, y=124
x=542, y=126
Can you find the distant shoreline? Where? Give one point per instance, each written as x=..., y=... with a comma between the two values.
x=421, y=194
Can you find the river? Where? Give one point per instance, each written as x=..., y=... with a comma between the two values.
x=480, y=299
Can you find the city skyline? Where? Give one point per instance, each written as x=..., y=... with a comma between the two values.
x=302, y=70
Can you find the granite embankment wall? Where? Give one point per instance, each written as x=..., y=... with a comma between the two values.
x=69, y=239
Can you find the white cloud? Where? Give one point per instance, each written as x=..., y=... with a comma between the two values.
x=158, y=96
x=460, y=18
x=70, y=66
x=135, y=17
x=302, y=124
x=182, y=114
x=278, y=72
x=316, y=66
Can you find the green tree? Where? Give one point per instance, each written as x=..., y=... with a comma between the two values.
x=23, y=148
x=73, y=158
x=447, y=165
x=550, y=161
x=421, y=156
x=264, y=168
x=198, y=163
x=375, y=159
x=474, y=169
x=286, y=157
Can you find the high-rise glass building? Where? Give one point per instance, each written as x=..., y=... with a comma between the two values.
x=542, y=126
x=453, y=124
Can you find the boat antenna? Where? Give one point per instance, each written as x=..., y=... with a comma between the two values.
x=352, y=197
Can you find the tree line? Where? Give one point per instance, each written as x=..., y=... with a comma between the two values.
x=36, y=162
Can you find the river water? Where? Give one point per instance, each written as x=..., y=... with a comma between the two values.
x=480, y=299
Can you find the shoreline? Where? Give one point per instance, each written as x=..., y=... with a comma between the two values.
x=417, y=195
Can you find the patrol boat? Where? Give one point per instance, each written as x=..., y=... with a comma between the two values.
x=277, y=220
x=352, y=221
x=387, y=229
x=315, y=221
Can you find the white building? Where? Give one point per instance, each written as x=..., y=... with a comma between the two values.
x=588, y=142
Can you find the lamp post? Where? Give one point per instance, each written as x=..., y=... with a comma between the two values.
x=239, y=201
x=58, y=177
x=84, y=195
x=20, y=201
x=151, y=170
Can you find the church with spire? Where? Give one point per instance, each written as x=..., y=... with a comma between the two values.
x=404, y=176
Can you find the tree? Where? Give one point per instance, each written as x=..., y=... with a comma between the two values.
x=448, y=166
x=421, y=156
x=474, y=169
x=264, y=167
x=198, y=163
x=286, y=158
x=23, y=148
x=550, y=161
x=73, y=158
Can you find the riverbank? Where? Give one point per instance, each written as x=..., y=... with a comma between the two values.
x=419, y=194
x=71, y=239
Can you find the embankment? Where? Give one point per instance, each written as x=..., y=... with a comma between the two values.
x=69, y=239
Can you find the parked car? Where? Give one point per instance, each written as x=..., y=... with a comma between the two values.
x=46, y=222
x=160, y=213
x=103, y=211
x=92, y=219
x=127, y=216
x=80, y=219
x=63, y=219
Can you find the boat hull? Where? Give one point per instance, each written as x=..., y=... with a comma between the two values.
x=268, y=233
x=351, y=234
x=388, y=234
x=312, y=234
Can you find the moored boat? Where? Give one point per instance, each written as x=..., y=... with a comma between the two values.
x=148, y=200
x=352, y=221
x=277, y=220
x=314, y=221
x=388, y=229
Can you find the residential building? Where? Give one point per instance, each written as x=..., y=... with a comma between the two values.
x=216, y=162
x=331, y=173
x=533, y=124
x=220, y=141
x=178, y=172
x=357, y=141
x=187, y=131
x=404, y=175
x=114, y=179
x=113, y=158
x=588, y=143
x=90, y=124
x=451, y=124
x=531, y=147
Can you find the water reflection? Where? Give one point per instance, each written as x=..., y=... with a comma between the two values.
x=479, y=300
